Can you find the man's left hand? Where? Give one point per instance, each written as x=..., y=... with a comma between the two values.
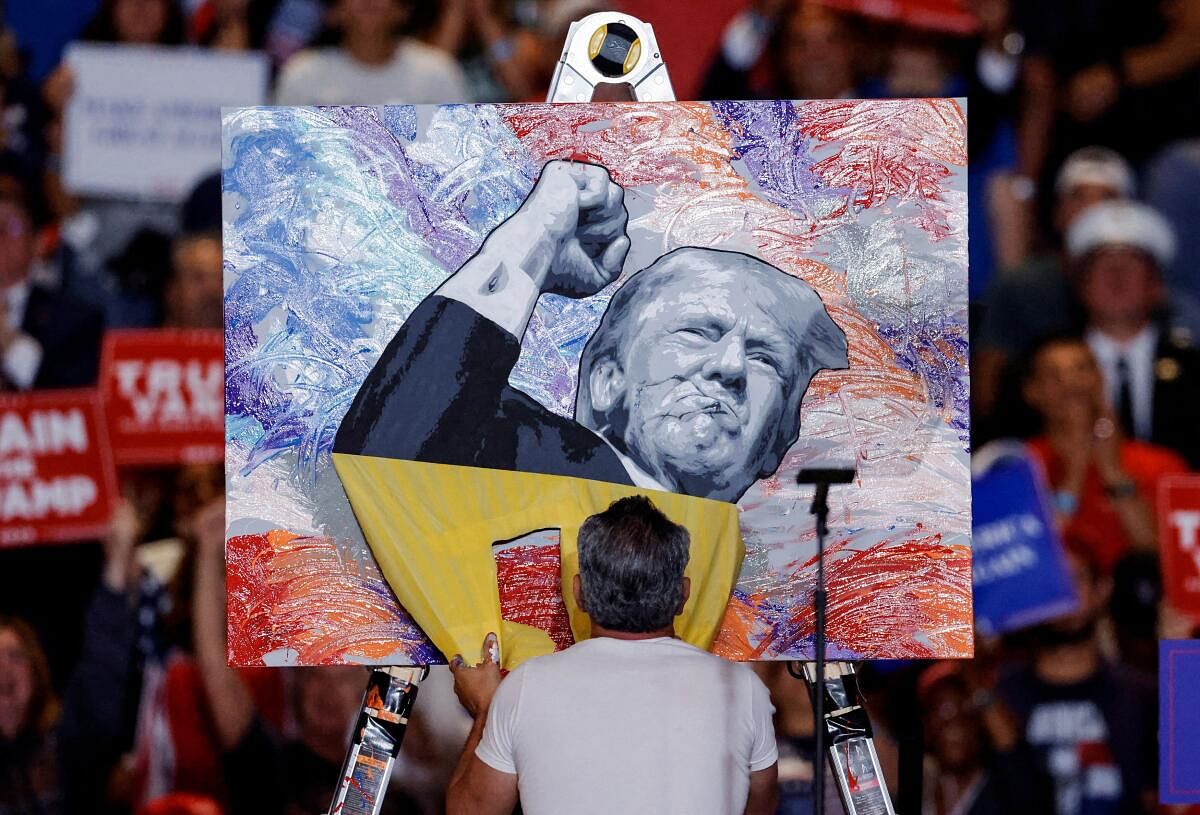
x=476, y=685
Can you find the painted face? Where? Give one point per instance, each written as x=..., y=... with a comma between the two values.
x=708, y=373
x=16, y=677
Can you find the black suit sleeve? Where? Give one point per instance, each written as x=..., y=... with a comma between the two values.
x=436, y=390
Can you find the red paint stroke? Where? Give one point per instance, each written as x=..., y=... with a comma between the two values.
x=529, y=579
x=902, y=148
x=301, y=594
x=639, y=144
x=903, y=600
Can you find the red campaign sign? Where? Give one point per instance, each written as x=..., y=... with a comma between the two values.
x=56, y=471
x=1179, y=529
x=164, y=395
x=949, y=16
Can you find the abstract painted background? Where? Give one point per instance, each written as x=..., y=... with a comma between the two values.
x=338, y=222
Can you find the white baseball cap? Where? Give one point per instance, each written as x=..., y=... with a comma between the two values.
x=1122, y=223
x=1099, y=166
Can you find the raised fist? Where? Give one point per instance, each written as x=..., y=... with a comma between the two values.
x=574, y=222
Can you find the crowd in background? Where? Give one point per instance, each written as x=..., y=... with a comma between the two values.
x=1085, y=303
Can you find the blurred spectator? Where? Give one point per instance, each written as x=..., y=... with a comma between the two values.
x=918, y=65
x=96, y=230
x=39, y=348
x=1117, y=74
x=1035, y=300
x=201, y=210
x=231, y=25
x=372, y=63
x=997, y=224
x=22, y=114
x=980, y=764
x=194, y=294
x=1151, y=373
x=808, y=50
x=101, y=699
x=1104, y=485
x=1092, y=721
x=1173, y=188
x=137, y=22
x=138, y=274
x=136, y=725
x=29, y=767
x=500, y=59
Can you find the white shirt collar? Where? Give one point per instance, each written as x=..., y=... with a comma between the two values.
x=637, y=475
x=1138, y=354
x=1107, y=349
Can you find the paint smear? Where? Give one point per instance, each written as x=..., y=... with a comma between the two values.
x=338, y=221
x=297, y=600
x=529, y=578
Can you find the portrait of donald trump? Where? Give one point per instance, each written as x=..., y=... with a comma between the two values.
x=691, y=383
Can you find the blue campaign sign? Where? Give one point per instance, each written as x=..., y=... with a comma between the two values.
x=1179, y=721
x=1020, y=573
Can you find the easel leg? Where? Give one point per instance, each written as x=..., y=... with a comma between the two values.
x=851, y=751
x=390, y=695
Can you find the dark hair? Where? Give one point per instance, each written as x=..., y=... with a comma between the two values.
x=1026, y=361
x=43, y=705
x=631, y=562
x=103, y=26
x=420, y=17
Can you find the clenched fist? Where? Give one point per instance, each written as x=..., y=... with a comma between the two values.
x=573, y=223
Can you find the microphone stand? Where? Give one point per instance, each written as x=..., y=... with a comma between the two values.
x=855, y=764
x=820, y=508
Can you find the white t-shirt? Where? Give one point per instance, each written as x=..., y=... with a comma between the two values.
x=630, y=726
x=417, y=74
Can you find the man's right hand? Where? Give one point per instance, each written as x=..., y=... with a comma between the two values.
x=475, y=685
x=573, y=222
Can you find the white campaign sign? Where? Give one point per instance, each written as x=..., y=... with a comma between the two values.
x=145, y=121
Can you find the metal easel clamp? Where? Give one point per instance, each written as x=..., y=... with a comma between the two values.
x=610, y=48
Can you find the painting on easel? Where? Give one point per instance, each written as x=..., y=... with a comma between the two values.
x=454, y=332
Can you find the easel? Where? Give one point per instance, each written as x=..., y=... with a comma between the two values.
x=390, y=696
x=846, y=726
x=611, y=57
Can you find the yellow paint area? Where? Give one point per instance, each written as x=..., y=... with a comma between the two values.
x=432, y=527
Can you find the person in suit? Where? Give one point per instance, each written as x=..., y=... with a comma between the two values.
x=692, y=382
x=47, y=339
x=1151, y=372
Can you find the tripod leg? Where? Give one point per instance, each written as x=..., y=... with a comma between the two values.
x=851, y=751
x=391, y=693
